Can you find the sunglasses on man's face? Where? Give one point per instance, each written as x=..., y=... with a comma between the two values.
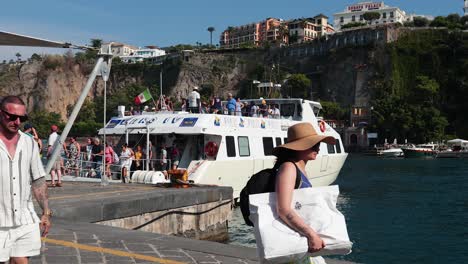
x=12, y=117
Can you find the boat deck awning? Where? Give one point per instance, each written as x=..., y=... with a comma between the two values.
x=13, y=39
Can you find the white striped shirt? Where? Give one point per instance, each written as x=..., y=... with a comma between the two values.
x=16, y=175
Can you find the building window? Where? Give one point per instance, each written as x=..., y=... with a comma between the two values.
x=361, y=18
x=391, y=14
x=244, y=150
x=230, y=146
x=384, y=15
x=341, y=19
x=353, y=18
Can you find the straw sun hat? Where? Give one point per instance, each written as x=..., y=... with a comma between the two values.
x=303, y=136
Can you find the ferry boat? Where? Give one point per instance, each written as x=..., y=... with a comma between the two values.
x=227, y=150
x=420, y=151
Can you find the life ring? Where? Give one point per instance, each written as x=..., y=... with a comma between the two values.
x=322, y=126
x=211, y=148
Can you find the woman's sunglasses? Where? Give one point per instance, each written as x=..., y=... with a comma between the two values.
x=12, y=117
x=316, y=147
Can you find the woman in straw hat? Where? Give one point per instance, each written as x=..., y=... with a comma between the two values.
x=303, y=145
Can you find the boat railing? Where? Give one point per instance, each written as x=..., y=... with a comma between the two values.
x=84, y=166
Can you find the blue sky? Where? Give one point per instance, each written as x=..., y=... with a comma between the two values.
x=168, y=22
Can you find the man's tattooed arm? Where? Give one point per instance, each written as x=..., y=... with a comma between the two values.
x=39, y=188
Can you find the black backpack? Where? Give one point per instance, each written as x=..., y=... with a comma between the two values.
x=261, y=182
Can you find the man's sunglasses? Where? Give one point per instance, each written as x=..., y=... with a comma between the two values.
x=12, y=117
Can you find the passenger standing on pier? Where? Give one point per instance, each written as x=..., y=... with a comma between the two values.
x=96, y=156
x=126, y=157
x=303, y=145
x=194, y=101
x=58, y=164
x=21, y=169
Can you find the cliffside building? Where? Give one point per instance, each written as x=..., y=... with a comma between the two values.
x=268, y=30
x=355, y=13
x=130, y=53
x=119, y=49
x=139, y=55
x=306, y=29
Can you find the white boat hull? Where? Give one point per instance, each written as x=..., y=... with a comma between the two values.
x=235, y=173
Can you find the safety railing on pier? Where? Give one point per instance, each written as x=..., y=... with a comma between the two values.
x=84, y=166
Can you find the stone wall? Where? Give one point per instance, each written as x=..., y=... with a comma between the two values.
x=207, y=221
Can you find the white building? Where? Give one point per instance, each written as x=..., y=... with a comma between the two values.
x=118, y=49
x=355, y=12
x=146, y=53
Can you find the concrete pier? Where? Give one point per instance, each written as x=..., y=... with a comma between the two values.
x=86, y=215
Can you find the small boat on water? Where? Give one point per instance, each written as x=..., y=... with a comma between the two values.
x=458, y=148
x=392, y=153
x=421, y=151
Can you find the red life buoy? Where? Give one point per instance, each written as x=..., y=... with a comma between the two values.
x=211, y=148
x=322, y=126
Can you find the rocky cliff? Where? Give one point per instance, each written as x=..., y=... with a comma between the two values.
x=340, y=76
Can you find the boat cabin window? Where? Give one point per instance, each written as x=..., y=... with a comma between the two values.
x=316, y=109
x=268, y=146
x=244, y=150
x=287, y=110
x=330, y=148
x=230, y=146
x=278, y=141
x=338, y=146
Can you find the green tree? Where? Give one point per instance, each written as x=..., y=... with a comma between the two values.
x=369, y=16
x=42, y=120
x=18, y=56
x=36, y=57
x=439, y=21
x=297, y=86
x=353, y=25
x=332, y=110
x=96, y=43
x=420, y=22
x=211, y=29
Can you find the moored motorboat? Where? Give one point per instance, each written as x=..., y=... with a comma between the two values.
x=420, y=151
x=392, y=152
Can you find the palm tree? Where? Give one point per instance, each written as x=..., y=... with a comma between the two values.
x=211, y=29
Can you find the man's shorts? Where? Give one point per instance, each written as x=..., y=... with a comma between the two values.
x=19, y=241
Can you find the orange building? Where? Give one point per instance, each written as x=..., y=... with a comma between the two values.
x=254, y=34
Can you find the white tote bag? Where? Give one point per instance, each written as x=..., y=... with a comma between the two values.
x=277, y=243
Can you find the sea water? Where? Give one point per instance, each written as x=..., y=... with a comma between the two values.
x=397, y=210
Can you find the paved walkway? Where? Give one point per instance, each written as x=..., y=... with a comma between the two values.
x=76, y=241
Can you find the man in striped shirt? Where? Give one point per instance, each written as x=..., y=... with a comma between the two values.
x=21, y=176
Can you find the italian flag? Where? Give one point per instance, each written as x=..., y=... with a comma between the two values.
x=143, y=97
